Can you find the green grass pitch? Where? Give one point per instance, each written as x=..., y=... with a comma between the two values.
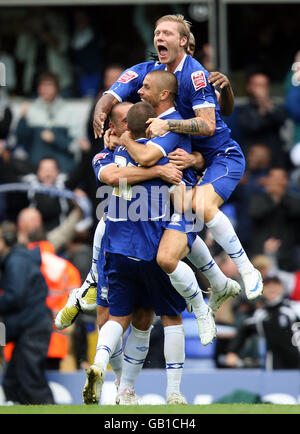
x=153, y=409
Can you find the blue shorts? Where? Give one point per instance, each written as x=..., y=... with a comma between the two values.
x=225, y=171
x=102, y=285
x=136, y=283
x=178, y=222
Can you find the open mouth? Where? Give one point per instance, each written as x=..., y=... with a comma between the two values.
x=162, y=50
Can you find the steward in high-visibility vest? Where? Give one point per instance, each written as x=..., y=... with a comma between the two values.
x=61, y=277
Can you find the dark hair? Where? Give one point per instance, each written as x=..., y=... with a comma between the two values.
x=48, y=76
x=49, y=158
x=137, y=116
x=272, y=279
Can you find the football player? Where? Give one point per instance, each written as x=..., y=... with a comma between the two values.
x=197, y=103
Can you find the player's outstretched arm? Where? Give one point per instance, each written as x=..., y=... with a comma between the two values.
x=225, y=95
x=113, y=175
x=101, y=112
x=204, y=124
x=145, y=155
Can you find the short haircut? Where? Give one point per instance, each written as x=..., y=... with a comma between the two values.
x=166, y=81
x=184, y=26
x=48, y=76
x=279, y=167
x=112, y=115
x=49, y=158
x=272, y=279
x=137, y=116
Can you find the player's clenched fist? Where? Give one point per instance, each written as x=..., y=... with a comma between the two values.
x=157, y=127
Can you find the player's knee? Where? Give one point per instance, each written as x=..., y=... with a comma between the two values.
x=166, y=262
x=102, y=316
x=142, y=319
x=209, y=212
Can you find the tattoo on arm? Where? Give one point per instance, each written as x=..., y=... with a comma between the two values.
x=203, y=124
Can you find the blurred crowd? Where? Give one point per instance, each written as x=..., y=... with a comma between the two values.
x=45, y=172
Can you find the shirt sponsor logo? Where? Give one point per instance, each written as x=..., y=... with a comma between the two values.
x=100, y=156
x=198, y=79
x=127, y=77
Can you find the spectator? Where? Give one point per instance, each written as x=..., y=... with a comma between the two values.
x=5, y=116
x=47, y=127
x=6, y=170
x=61, y=277
x=110, y=76
x=260, y=119
x=258, y=160
x=275, y=213
x=43, y=45
x=54, y=209
x=234, y=312
x=29, y=219
x=273, y=320
x=10, y=68
x=27, y=321
x=82, y=176
x=87, y=57
x=206, y=57
x=292, y=97
x=267, y=264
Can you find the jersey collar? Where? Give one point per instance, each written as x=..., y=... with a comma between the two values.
x=167, y=112
x=180, y=65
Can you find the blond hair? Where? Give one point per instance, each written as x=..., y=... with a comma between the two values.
x=184, y=26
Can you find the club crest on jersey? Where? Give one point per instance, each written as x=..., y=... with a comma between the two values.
x=198, y=79
x=127, y=77
x=99, y=156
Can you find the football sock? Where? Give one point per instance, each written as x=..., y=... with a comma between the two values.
x=184, y=281
x=174, y=352
x=93, y=273
x=135, y=353
x=201, y=258
x=99, y=232
x=108, y=338
x=116, y=359
x=224, y=234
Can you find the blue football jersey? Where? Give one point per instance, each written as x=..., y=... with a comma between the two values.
x=194, y=92
x=171, y=141
x=136, y=214
x=100, y=160
x=131, y=80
